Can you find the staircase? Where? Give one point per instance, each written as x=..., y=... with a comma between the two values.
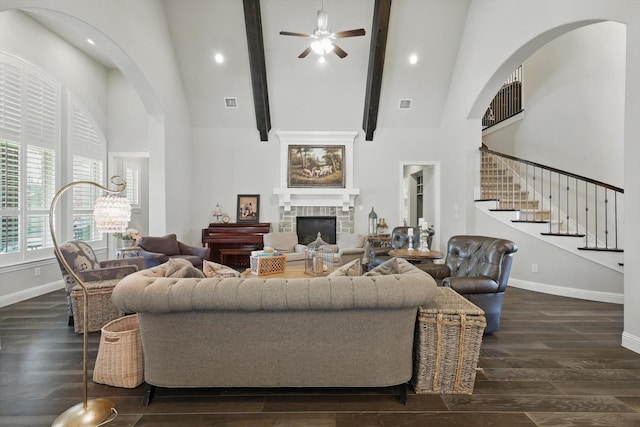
x=566, y=204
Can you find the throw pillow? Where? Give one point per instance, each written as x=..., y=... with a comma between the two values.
x=352, y=268
x=212, y=269
x=188, y=271
x=175, y=264
x=390, y=266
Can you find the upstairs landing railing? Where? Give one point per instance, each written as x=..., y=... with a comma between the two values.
x=571, y=204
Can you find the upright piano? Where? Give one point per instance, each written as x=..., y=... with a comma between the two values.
x=231, y=243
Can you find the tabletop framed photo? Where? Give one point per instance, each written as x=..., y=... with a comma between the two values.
x=248, y=209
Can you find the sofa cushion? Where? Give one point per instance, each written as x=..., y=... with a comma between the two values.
x=352, y=268
x=350, y=240
x=167, y=245
x=333, y=249
x=213, y=269
x=281, y=241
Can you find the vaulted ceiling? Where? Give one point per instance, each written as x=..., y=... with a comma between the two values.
x=303, y=93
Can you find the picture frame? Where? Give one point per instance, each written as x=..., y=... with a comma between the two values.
x=315, y=166
x=248, y=208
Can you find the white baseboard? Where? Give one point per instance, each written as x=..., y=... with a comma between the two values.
x=30, y=293
x=568, y=292
x=631, y=342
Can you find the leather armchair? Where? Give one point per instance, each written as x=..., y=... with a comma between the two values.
x=158, y=250
x=477, y=267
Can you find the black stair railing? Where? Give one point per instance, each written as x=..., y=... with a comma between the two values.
x=571, y=204
x=507, y=102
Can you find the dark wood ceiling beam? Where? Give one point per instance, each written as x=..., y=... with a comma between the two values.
x=253, y=24
x=379, y=31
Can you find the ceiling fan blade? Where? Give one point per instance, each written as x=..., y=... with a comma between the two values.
x=349, y=33
x=338, y=51
x=305, y=53
x=289, y=33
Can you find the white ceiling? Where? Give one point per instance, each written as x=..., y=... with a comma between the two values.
x=304, y=94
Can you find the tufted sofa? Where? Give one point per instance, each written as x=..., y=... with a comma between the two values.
x=346, y=331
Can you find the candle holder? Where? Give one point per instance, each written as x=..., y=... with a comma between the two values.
x=410, y=238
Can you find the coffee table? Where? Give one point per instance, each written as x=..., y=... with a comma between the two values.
x=416, y=255
x=294, y=272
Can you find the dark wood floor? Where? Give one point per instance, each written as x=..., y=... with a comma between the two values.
x=555, y=362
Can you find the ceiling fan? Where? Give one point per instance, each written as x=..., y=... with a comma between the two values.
x=323, y=38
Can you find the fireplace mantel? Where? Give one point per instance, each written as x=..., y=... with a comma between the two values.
x=336, y=197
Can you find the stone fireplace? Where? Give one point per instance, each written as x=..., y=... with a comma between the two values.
x=344, y=219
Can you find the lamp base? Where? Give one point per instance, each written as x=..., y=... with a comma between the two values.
x=98, y=412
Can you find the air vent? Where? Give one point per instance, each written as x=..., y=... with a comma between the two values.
x=405, y=104
x=231, y=102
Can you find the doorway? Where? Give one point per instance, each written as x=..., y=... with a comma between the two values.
x=420, y=195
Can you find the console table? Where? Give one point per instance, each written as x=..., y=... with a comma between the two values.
x=232, y=243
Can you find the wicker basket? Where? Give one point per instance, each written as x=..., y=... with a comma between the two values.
x=101, y=309
x=447, y=346
x=263, y=265
x=120, y=360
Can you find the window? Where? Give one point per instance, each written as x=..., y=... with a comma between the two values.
x=9, y=197
x=88, y=148
x=29, y=135
x=132, y=177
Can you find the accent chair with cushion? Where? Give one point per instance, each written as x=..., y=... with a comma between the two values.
x=100, y=277
x=286, y=243
x=158, y=250
x=477, y=267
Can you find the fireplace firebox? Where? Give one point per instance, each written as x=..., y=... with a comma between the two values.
x=308, y=227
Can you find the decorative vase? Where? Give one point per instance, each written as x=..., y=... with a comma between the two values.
x=127, y=243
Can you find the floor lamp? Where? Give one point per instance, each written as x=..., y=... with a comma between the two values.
x=111, y=213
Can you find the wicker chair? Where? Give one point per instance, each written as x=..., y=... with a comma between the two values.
x=100, y=277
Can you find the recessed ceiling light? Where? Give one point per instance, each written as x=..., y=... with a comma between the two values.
x=219, y=58
x=91, y=42
x=413, y=58
x=231, y=102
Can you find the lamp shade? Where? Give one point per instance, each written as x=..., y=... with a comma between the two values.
x=112, y=213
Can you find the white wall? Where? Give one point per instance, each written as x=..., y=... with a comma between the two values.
x=127, y=116
x=573, y=91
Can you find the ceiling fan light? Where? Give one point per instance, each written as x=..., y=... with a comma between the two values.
x=327, y=46
x=322, y=60
x=317, y=47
